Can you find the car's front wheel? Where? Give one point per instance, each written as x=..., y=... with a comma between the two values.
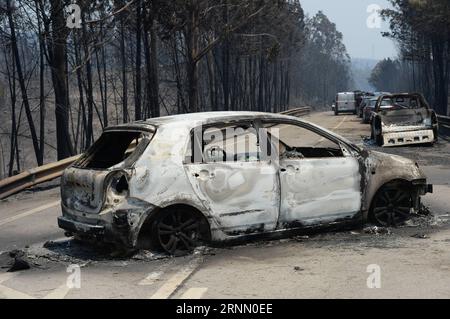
x=178, y=231
x=392, y=205
x=364, y=118
x=377, y=133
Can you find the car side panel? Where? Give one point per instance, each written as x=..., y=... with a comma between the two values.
x=316, y=191
x=243, y=197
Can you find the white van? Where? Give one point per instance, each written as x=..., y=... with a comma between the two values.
x=345, y=102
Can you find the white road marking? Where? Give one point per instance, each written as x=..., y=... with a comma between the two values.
x=151, y=278
x=340, y=124
x=9, y=293
x=6, y=276
x=334, y=128
x=169, y=288
x=28, y=213
x=58, y=293
x=194, y=293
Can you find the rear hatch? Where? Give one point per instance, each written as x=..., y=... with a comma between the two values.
x=346, y=101
x=84, y=184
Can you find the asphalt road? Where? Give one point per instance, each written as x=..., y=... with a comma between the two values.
x=409, y=262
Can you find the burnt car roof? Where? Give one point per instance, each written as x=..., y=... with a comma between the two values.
x=192, y=120
x=395, y=95
x=213, y=117
x=402, y=94
x=195, y=119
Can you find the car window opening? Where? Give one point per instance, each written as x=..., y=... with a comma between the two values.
x=400, y=102
x=112, y=148
x=231, y=144
x=295, y=142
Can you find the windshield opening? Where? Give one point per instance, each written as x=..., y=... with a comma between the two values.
x=400, y=102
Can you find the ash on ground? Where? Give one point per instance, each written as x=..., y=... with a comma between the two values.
x=70, y=251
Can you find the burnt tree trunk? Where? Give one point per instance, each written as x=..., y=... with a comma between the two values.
x=57, y=61
x=138, y=80
x=191, y=36
x=124, y=73
x=22, y=85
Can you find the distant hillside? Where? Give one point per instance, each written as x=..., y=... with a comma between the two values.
x=361, y=69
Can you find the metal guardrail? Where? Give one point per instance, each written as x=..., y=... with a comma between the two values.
x=48, y=172
x=301, y=111
x=34, y=176
x=444, y=125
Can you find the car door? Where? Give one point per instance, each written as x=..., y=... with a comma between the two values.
x=320, y=180
x=238, y=186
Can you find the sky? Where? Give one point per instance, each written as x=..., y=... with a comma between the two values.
x=362, y=39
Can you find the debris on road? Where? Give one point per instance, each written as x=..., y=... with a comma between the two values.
x=424, y=210
x=411, y=223
x=14, y=260
x=301, y=238
x=144, y=255
x=421, y=236
x=376, y=230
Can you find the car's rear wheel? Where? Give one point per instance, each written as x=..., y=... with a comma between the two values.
x=178, y=231
x=392, y=205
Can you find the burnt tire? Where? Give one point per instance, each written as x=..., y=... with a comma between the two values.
x=365, y=120
x=377, y=133
x=436, y=135
x=379, y=139
x=179, y=230
x=392, y=205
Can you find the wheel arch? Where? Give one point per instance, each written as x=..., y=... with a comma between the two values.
x=398, y=181
x=143, y=233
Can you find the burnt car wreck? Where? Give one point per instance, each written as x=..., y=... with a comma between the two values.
x=403, y=119
x=172, y=183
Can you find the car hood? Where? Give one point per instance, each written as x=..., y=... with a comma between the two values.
x=394, y=163
x=406, y=117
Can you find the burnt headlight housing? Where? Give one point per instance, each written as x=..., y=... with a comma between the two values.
x=120, y=185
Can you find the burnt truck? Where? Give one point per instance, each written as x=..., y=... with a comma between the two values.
x=403, y=119
x=175, y=182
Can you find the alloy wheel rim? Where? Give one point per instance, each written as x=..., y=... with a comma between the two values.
x=178, y=232
x=392, y=207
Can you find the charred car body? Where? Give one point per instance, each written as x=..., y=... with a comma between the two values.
x=403, y=119
x=172, y=182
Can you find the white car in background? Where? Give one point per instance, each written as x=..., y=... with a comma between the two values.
x=345, y=102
